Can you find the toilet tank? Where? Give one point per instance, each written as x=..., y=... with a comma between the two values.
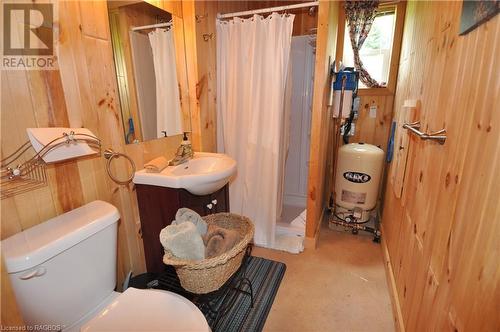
x=63, y=268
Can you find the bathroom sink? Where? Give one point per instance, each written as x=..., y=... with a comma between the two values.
x=202, y=175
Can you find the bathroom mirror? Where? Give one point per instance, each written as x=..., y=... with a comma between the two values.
x=150, y=66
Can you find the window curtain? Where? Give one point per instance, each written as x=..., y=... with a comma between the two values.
x=252, y=65
x=360, y=16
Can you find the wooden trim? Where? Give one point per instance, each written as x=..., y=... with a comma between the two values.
x=375, y=92
x=396, y=46
x=339, y=50
x=10, y=315
x=320, y=119
x=124, y=69
x=313, y=242
x=188, y=13
x=391, y=283
x=396, y=49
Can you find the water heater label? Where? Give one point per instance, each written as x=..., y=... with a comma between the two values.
x=357, y=177
x=353, y=197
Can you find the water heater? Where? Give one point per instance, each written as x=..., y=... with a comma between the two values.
x=359, y=168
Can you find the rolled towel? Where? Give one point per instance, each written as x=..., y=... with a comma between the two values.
x=183, y=241
x=185, y=214
x=156, y=165
x=219, y=240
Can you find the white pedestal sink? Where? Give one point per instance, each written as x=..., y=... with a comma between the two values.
x=202, y=175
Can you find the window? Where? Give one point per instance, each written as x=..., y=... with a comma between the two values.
x=377, y=49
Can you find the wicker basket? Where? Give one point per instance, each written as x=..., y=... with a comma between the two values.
x=208, y=275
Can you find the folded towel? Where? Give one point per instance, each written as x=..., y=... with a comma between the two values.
x=219, y=240
x=185, y=214
x=156, y=165
x=183, y=241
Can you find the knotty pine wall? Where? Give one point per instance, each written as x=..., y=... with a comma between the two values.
x=441, y=234
x=321, y=121
x=82, y=93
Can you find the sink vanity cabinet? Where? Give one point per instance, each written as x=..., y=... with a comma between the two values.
x=200, y=183
x=157, y=208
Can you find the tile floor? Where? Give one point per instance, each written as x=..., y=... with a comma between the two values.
x=289, y=213
x=340, y=286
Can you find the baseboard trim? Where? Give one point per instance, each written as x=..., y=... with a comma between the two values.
x=391, y=282
x=312, y=242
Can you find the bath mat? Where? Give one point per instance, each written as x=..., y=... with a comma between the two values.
x=265, y=276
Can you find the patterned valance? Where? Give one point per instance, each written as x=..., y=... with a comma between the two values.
x=360, y=16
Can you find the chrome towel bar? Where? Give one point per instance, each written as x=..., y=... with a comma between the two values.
x=414, y=127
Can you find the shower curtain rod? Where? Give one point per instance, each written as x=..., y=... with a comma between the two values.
x=268, y=10
x=152, y=26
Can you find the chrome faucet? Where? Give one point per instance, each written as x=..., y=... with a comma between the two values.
x=184, y=152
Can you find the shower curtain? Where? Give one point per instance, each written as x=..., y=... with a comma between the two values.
x=168, y=107
x=252, y=63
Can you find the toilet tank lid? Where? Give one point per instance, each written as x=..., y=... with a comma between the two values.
x=40, y=243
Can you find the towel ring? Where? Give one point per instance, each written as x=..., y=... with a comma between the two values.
x=109, y=154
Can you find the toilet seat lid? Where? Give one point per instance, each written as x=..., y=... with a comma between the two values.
x=148, y=310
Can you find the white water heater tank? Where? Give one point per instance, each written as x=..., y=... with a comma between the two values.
x=359, y=168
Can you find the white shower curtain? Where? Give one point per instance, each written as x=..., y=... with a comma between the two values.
x=252, y=63
x=168, y=108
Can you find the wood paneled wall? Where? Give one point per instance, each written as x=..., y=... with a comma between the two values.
x=81, y=93
x=321, y=120
x=10, y=315
x=442, y=234
x=374, y=130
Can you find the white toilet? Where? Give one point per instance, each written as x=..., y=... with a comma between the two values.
x=63, y=273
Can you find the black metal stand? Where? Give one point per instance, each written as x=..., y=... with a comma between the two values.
x=216, y=304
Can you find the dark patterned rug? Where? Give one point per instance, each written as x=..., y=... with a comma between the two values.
x=230, y=309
